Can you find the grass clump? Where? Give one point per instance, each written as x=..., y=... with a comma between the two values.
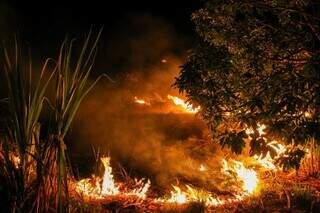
x=33, y=170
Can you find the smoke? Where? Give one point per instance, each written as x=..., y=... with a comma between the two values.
x=151, y=140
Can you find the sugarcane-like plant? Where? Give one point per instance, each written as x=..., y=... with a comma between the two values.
x=24, y=104
x=71, y=87
x=35, y=170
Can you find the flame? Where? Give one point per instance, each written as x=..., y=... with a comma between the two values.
x=261, y=128
x=189, y=108
x=247, y=176
x=191, y=194
x=89, y=186
x=267, y=161
x=141, y=191
x=141, y=101
x=108, y=185
x=177, y=196
x=97, y=188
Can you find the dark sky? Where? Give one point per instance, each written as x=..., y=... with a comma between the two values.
x=37, y=20
x=135, y=32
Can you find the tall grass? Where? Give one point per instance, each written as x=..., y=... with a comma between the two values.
x=311, y=162
x=71, y=88
x=39, y=181
x=24, y=104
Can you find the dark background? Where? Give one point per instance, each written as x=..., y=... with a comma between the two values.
x=46, y=23
x=137, y=36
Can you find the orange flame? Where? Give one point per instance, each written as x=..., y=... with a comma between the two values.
x=189, y=108
x=141, y=101
x=108, y=185
x=267, y=161
x=94, y=188
x=247, y=176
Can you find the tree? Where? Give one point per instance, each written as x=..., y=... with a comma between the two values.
x=257, y=62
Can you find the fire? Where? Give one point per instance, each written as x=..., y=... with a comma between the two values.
x=97, y=188
x=247, y=176
x=189, y=108
x=191, y=194
x=261, y=128
x=202, y=168
x=141, y=101
x=141, y=191
x=89, y=186
x=108, y=185
x=267, y=161
x=177, y=196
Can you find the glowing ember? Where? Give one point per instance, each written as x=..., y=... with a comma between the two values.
x=189, y=108
x=108, y=185
x=202, y=168
x=247, y=176
x=307, y=115
x=15, y=159
x=141, y=101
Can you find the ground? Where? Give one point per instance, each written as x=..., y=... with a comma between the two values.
x=281, y=192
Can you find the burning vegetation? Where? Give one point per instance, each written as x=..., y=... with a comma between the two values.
x=198, y=175
x=241, y=136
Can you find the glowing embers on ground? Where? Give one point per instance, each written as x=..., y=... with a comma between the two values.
x=190, y=194
x=189, y=108
x=98, y=188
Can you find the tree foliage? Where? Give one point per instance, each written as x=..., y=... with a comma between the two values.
x=257, y=62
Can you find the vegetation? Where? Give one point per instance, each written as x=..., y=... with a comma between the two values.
x=257, y=62
x=33, y=168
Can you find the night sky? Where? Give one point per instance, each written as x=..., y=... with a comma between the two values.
x=136, y=33
x=52, y=20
